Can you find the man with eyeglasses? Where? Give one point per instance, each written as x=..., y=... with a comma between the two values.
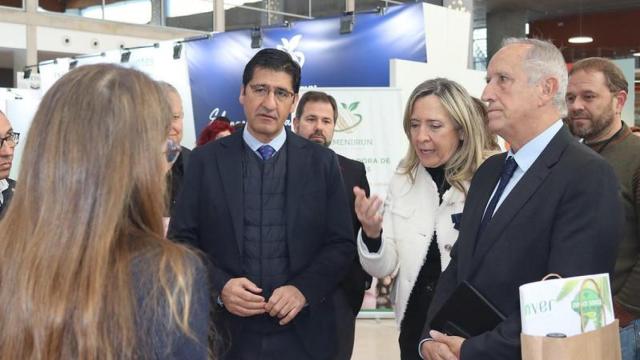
x=270, y=210
x=8, y=141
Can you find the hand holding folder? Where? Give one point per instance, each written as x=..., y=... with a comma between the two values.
x=466, y=313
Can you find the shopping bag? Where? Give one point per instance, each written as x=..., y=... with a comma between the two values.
x=581, y=329
x=600, y=344
x=570, y=306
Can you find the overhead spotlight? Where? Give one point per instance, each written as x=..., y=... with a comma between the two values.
x=72, y=64
x=346, y=22
x=27, y=73
x=256, y=38
x=177, y=51
x=124, y=57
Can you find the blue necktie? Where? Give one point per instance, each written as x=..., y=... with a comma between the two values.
x=266, y=151
x=508, y=169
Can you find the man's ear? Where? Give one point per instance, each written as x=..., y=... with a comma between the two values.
x=293, y=104
x=242, y=95
x=295, y=123
x=621, y=99
x=549, y=88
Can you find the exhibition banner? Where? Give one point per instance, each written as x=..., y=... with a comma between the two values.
x=328, y=58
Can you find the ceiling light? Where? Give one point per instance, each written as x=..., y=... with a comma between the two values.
x=636, y=54
x=580, y=39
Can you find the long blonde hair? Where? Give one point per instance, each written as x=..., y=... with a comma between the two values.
x=468, y=119
x=89, y=201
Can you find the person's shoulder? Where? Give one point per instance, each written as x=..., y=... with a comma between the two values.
x=491, y=162
x=632, y=142
x=213, y=147
x=296, y=140
x=350, y=162
x=185, y=150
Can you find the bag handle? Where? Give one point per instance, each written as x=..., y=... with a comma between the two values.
x=551, y=275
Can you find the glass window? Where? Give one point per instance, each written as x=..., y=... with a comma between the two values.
x=480, y=48
x=128, y=11
x=11, y=3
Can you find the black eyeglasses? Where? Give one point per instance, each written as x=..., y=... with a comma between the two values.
x=12, y=139
x=260, y=91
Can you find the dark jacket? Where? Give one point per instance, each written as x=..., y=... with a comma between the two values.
x=564, y=216
x=209, y=215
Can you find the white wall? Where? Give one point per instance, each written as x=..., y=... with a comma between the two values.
x=406, y=75
x=447, y=36
x=82, y=42
x=13, y=36
x=628, y=68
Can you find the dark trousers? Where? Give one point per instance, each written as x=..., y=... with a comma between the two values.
x=282, y=345
x=346, y=326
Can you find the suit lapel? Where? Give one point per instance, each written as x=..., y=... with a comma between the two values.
x=230, y=163
x=520, y=194
x=475, y=211
x=298, y=162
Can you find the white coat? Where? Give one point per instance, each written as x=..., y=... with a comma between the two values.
x=411, y=215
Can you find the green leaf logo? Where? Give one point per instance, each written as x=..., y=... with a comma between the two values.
x=588, y=303
x=348, y=119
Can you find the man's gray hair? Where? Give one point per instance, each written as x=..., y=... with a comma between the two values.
x=544, y=59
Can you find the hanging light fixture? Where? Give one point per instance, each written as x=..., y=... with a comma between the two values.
x=580, y=38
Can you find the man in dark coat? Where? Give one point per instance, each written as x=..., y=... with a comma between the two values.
x=269, y=210
x=315, y=120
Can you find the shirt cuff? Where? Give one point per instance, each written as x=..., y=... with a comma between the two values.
x=420, y=346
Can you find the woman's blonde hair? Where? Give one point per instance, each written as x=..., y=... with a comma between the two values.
x=476, y=143
x=90, y=201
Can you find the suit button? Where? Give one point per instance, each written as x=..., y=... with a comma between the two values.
x=447, y=247
x=429, y=288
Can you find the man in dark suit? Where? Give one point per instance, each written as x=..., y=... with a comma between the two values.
x=178, y=166
x=549, y=205
x=9, y=140
x=270, y=210
x=315, y=120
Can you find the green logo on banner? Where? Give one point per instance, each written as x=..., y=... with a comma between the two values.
x=348, y=119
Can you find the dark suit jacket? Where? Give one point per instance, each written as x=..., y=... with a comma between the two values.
x=357, y=280
x=175, y=178
x=564, y=216
x=7, y=195
x=209, y=215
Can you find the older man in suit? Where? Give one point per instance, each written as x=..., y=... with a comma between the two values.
x=270, y=210
x=9, y=140
x=549, y=205
x=315, y=120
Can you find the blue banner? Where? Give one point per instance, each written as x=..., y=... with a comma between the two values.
x=328, y=59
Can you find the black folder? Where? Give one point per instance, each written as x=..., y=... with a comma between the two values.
x=467, y=313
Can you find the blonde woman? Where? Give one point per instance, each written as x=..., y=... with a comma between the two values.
x=85, y=272
x=448, y=141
